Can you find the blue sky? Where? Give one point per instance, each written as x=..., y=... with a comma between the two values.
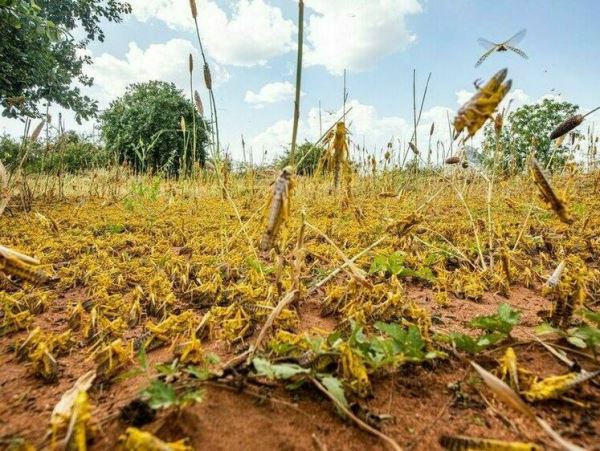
x=251, y=46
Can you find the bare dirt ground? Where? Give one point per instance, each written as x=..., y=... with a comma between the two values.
x=424, y=402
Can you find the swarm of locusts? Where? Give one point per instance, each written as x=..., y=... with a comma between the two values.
x=344, y=292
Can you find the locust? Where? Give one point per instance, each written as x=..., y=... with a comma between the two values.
x=336, y=157
x=13, y=263
x=462, y=443
x=547, y=193
x=279, y=207
x=473, y=114
x=555, y=386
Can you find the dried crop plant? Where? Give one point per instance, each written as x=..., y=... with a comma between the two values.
x=4, y=191
x=207, y=78
x=198, y=104
x=569, y=124
x=413, y=144
x=431, y=131
x=298, y=79
x=194, y=129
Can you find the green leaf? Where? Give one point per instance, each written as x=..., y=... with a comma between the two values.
x=407, y=342
x=278, y=370
x=212, y=359
x=490, y=339
x=357, y=335
x=392, y=264
x=202, y=374
x=578, y=342
x=589, y=335
x=115, y=228
x=460, y=341
x=425, y=273
x=167, y=370
x=545, y=329
x=52, y=31
x=129, y=374
x=159, y=395
x=392, y=329
x=335, y=387
x=503, y=321
x=334, y=338
x=190, y=397
x=508, y=314
x=258, y=266
x=379, y=264
x=590, y=315
x=435, y=355
x=142, y=357
x=395, y=262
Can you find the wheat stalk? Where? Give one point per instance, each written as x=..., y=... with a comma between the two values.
x=566, y=126
x=193, y=9
x=37, y=131
x=4, y=192
x=198, y=103
x=207, y=81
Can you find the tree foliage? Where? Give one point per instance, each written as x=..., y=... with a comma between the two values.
x=526, y=130
x=68, y=152
x=42, y=60
x=144, y=128
x=307, y=154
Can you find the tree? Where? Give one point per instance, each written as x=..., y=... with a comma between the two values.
x=41, y=60
x=526, y=130
x=308, y=163
x=145, y=128
x=67, y=152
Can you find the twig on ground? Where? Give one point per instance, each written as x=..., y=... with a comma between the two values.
x=361, y=424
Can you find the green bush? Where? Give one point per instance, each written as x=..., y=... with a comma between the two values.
x=73, y=153
x=144, y=128
x=307, y=154
x=10, y=150
x=69, y=152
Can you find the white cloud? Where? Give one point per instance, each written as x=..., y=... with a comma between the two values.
x=167, y=62
x=463, y=96
x=275, y=138
x=365, y=124
x=271, y=93
x=253, y=33
x=355, y=34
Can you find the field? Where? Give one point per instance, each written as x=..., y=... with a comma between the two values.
x=378, y=297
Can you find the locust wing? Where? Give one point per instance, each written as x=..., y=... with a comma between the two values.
x=517, y=51
x=486, y=44
x=514, y=40
x=484, y=56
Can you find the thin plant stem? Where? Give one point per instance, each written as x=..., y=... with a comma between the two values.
x=298, y=80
